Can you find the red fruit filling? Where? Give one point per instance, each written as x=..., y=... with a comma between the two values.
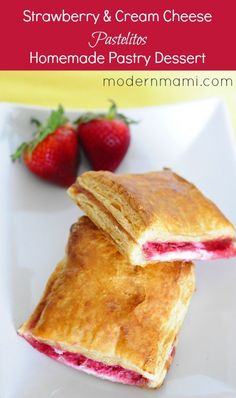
x=218, y=248
x=78, y=361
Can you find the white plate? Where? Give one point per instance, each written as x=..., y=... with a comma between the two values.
x=195, y=139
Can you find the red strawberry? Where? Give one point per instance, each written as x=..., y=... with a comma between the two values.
x=54, y=152
x=105, y=138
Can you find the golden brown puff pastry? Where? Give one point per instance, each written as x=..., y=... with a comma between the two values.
x=156, y=216
x=108, y=318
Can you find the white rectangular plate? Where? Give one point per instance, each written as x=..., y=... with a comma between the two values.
x=195, y=139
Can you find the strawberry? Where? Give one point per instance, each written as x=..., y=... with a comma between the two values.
x=105, y=138
x=53, y=153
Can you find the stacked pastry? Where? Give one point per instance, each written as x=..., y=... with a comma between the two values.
x=114, y=305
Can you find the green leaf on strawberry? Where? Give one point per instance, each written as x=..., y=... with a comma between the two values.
x=53, y=153
x=56, y=119
x=110, y=115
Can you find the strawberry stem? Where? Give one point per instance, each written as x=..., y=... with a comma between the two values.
x=112, y=111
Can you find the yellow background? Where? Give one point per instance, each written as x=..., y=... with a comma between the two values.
x=85, y=90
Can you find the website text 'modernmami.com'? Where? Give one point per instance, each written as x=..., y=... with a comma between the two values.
x=177, y=81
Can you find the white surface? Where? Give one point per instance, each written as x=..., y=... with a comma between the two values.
x=195, y=139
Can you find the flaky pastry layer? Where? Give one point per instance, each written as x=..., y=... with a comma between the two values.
x=134, y=209
x=98, y=305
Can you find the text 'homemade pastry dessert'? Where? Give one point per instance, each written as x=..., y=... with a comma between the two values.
x=105, y=317
x=156, y=216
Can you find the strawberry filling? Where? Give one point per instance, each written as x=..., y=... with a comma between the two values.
x=218, y=248
x=78, y=361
